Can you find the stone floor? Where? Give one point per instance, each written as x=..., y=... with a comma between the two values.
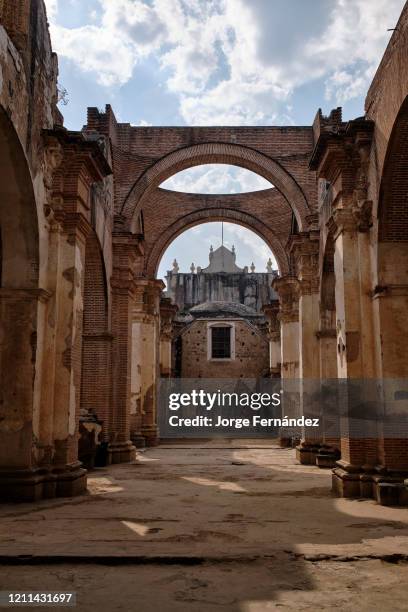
x=226, y=525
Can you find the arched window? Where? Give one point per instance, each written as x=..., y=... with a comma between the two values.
x=221, y=341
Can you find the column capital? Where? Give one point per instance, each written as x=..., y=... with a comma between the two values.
x=342, y=220
x=288, y=290
x=128, y=260
x=271, y=312
x=326, y=333
x=304, y=249
x=146, y=296
x=168, y=311
x=8, y=293
x=76, y=225
x=128, y=243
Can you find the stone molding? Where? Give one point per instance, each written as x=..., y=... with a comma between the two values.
x=288, y=290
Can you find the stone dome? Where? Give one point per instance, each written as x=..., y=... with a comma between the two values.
x=224, y=310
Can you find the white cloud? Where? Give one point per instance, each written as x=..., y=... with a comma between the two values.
x=234, y=61
x=216, y=178
x=129, y=31
x=52, y=7
x=143, y=123
x=256, y=248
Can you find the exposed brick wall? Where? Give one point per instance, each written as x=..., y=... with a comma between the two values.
x=251, y=353
x=96, y=343
x=144, y=157
x=15, y=17
x=385, y=98
x=393, y=205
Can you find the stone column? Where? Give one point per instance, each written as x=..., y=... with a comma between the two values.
x=20, y=477
x=75, y=166
x=70, y=478
x=355, y=349
x=127, y=253
x=271, y=312
x=287, y=288
x=342, y=157
x=167, y=313
x=151, y=361
x=329, y=451
x=305, y=255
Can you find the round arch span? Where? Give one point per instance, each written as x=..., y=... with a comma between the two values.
x=232, y=154
x=205, y=216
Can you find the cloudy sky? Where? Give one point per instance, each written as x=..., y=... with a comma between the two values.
x=209, y=62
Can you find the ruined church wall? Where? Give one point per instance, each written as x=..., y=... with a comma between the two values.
x=252, y=289
x=251, y=352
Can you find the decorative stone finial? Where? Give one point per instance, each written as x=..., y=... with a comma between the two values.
x=175, y=267
x=252, y=267
x=269, y=265
x=192, y=268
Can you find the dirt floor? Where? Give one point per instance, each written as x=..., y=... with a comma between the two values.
x=227, y=525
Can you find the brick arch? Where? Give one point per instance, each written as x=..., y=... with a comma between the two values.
x=212, y=153
x=392, y=253
x=393, y=209
x=19, y=297
x=209, y=215
x=18, y=212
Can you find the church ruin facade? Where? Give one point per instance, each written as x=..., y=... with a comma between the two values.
x=220, y=329
x=84, y=325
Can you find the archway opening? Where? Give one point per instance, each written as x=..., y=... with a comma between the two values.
x=393, y=251
x=216, y=179
x=391, y=294
x=191, y=248
x=218, y=279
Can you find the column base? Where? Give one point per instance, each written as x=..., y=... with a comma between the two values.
x=285, y=442
x=306, y=453
x=44, y=483
x=357, y=482
x=121, y=452
x=327, y=457
x=151, y=435
x=138, y=440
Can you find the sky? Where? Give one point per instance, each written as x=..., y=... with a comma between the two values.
x=218, y=62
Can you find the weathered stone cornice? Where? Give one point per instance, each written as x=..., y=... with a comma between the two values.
x=326, y=333
x=287, y=287
x=304, y=249
x=350, y=219
x=76, y=225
